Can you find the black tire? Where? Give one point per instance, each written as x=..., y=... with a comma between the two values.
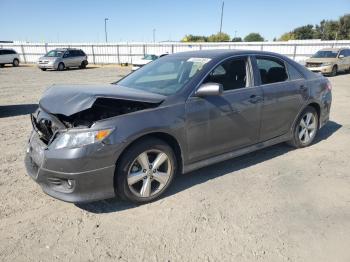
x=127, y=161
x=83, y=65
x=2, y=65
x=60, y=67
x=43, y=69
x=334, y=71
x=15, y=62
x=297, y=141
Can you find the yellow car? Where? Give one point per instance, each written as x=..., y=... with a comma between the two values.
x=330, y=61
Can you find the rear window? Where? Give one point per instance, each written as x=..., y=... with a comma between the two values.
x=7, y=52
x=271, y=70
x=294, y=73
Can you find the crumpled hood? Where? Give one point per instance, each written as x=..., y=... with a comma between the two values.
x=70, y=99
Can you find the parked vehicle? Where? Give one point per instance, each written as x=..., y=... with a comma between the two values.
x=174, y=115
x=63, y=58
x=9, y=56
x=330, y=61
x=145, y=60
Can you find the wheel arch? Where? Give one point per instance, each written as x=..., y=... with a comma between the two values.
x=317, y=107
x=165, y=137
x=313, y=104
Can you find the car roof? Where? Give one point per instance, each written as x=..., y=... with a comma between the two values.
x=66, y=49
x=218, y=53
x=332, y=49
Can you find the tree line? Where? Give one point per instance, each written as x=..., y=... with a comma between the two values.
x=222, y=37
x=325, y=30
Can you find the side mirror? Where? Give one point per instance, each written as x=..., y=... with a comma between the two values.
x=209, y=89
x=341, y=56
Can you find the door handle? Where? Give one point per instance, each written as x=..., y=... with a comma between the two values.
x=254, y=99
x=303, y=88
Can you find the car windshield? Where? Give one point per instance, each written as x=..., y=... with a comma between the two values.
x=164, y=76
x=150, y=57
x=55, y=53
x=325, y=54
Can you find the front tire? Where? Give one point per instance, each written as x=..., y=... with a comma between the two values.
x=60, y=67
x=305, y=129
x=334, y=70
x=145, y=171
x=43, y=69
x=15, y=62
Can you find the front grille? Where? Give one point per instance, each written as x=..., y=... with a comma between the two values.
x=313, y=64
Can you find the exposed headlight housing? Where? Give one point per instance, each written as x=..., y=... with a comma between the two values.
x=74, y=139
x=327, y=64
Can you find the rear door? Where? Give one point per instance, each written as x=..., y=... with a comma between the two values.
x=2, y=56
x=224, y=123
x=347, y=59
x=283, y=95
x=68, y=58
x=78, y=58
x=6, y=56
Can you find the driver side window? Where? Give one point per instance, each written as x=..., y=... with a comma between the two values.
x=232, y=74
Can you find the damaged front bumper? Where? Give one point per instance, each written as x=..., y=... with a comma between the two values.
x=74, y=175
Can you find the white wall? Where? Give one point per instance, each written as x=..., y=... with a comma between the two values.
x=104, y=53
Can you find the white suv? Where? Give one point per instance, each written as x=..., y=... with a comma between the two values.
x=9, y=56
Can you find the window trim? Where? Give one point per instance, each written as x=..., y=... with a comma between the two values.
x=250, y=75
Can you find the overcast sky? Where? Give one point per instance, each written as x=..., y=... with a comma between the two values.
x=134, y=20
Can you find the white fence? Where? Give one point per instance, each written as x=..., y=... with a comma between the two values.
x=116, y=53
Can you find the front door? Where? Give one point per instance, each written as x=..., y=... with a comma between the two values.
x=224, y=123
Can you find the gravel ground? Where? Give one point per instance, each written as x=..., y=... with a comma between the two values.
x=276, y=204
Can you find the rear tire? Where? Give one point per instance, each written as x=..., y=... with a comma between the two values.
x=2, y=65
x=305, y=129
x=15, y=62
x=60, y=67
x=138, y=177
x=334, y=70
x=83, y=65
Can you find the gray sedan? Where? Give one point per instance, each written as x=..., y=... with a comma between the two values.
x=177, y=114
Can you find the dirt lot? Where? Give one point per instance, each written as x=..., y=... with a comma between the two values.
x=276, y=204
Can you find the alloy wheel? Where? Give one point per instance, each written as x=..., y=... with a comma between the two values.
x=149, y=173
x=307, y=128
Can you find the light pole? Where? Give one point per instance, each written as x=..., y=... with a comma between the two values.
x=222, y=15
x=106, y=29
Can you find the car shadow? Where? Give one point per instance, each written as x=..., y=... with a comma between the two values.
x=17, y=110
x=183, y=182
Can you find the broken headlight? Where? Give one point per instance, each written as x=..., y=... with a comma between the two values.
x=74, y=139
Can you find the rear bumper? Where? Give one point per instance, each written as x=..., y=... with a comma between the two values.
x=326, y=108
